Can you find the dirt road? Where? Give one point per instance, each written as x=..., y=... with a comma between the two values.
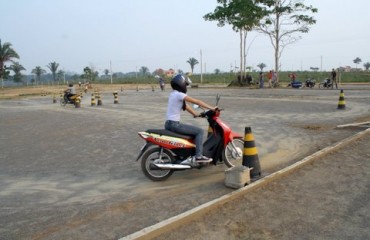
x=70, y=173
x=328, y=199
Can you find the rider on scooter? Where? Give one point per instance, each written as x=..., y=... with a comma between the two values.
x=176, y=102
x=69, y=92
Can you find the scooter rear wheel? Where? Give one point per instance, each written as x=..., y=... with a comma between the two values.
x=233, y=153
x=153, y=156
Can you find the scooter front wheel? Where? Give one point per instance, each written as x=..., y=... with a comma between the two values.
x=152, y=156
x=62, y=102
x=233, y=153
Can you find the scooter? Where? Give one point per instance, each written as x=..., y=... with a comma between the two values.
x=65, y=100
x=295, y=84
x=166, y=152
x=309, y=83
x=326, y=83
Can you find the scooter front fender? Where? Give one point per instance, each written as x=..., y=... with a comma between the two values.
x=234, y=135
x=143, y=149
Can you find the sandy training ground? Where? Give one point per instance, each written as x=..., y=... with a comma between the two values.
x=70, y=173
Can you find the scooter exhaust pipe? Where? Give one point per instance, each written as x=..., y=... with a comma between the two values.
x=171, y=166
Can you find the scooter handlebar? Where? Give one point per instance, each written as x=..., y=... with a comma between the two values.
x=205, y=113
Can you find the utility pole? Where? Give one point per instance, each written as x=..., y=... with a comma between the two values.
x=201, y=67
x=111, y=73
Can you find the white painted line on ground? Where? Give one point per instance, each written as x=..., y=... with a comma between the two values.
x=181, y=219
x=353, y=124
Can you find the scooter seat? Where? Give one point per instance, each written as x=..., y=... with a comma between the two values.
x=170, y=133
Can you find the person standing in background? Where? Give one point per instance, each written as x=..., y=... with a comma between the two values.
x=262, y=79
x=334, y=79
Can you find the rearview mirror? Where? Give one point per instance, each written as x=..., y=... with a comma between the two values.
x=217, y=99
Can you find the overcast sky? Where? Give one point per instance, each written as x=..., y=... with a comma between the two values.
x=166, y=33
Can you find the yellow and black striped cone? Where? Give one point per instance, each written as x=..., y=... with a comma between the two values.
x=78, y=102
x=250, y=154
x=93, y=99
x=100, y=102
x=341, y=103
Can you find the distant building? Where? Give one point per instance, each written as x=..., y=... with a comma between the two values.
x=349, y=69
x=170, y=72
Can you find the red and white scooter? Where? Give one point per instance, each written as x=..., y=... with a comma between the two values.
x=165, y=152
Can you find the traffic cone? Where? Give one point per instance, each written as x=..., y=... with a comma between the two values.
x=78, y=102
x=115, y=94
x=341, y=103
x=93, y=99
x=250, y=154
x=100, y=102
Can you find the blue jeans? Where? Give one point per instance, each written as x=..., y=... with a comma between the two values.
x=186, y=129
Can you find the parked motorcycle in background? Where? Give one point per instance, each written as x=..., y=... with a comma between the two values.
x=326, y=83
x=309, y=83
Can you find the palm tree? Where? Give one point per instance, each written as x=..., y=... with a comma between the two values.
x=357, y=61
x=192, y=62
x=261, y=66
x=7, y=53
x=53, y=66
x=144, y=70
x=17, y=68
x=38, y=71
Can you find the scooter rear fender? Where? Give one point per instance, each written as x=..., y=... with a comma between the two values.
x=143, y=149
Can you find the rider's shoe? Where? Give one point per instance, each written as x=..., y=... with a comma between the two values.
x=203, y=159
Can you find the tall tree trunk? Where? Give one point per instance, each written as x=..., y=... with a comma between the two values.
x=245, y=54
x=241, y=58
x=277, y=38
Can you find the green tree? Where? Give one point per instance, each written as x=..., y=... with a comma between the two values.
x=88, y=73
x=357, y=61
x=38, y=71
x=106, y=73
x=53, y=67
x=261, y=66
x=192, y=62
x=60, y=75
x=367, y=66
x=144, y=71
x=5, y=72
x=7, y=53
x=243, y=16
x=285, y=19
x=17, y=68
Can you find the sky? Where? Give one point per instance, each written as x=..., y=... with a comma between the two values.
x=124, y=35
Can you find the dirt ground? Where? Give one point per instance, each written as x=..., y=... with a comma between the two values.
x=70, y=173
x=328, y=199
